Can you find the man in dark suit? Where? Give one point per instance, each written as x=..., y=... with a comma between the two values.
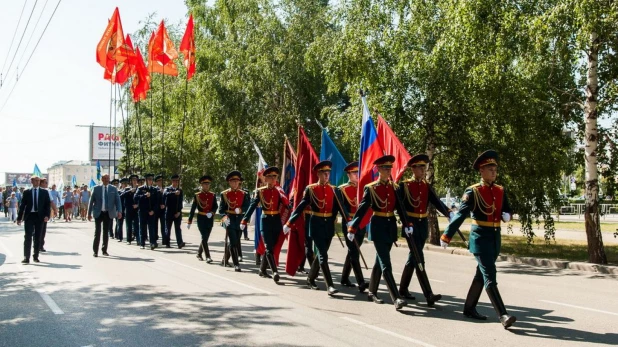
x=105, y=202
x=34, y=210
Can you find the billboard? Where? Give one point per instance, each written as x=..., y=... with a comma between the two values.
x=102, y=144
x=22, y=179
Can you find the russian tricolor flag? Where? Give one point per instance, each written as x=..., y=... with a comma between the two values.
x=370, y=150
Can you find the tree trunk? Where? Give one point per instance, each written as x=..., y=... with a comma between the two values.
x=596, y=252
x=432, y=218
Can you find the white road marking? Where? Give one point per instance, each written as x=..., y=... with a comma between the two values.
x=388, y=332
x=580, y=307
x=50, y=302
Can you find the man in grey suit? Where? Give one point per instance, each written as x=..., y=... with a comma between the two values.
x=105, y=202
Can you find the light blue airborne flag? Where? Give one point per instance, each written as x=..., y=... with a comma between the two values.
x=98, y=171
x=37, y=172
x=92, y=183
x=74, y=181
x=14, y=182
x=330, y=152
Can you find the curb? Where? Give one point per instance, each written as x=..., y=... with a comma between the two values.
x=551, y=263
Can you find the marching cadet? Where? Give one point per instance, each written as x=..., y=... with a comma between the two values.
x=130, y=210
x=112, y=230
x=350, y=204
x=270, y=198
x=234, y=201
x=206, y=204
x=160, y=212
x=381, y=197
x=172, y=199
x=417, y=194
x=323, y=199
x=487, y=204
x=147, y=200
x=120, y=222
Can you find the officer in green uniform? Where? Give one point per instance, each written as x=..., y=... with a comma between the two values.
x=349, y=200
x=234, y=201
x=487, y=204
x=416, y=194
x=271, y=198
x=205, y=202
x=381, y=197
x=323, y=199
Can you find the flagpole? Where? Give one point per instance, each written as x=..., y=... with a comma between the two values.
x=139, y=129
x=111, y=106
x=163, y=118
x=151, y=129
x=125, y=126
x=115, y=126
x=182, y=130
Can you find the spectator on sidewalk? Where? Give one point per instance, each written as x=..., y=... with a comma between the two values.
x=12, y=204
x=68, y=204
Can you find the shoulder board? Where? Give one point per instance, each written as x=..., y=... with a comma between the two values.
x=372, y=184
x=343, y=186
x=312, y=185
x=499, y=186
x=474, y=186
x=245, y=190
x=262, y=188
x=226, y=191
x=198, y=193
x=406, y=181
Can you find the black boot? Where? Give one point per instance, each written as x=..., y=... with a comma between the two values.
x=358, y=273
x=199, y=253
x=345, y=273
x=235, y=260
x=406, y=277
x=273, y=266
x=263, y=265
x=392, y=290
x=328, y=278
x=494, y=295
x=258, y=260
x=226, y=258
x=207, y=253
x=374, y=283
x=474, y=293
x=423, y=280
x=313, y=274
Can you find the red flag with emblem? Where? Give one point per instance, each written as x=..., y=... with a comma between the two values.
x=187, y=48
x=161, y=53
x=141, y=79
x=124, y=69
x=306, y=158
x=112, y=47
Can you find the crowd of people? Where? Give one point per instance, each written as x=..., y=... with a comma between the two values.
x=146, y=207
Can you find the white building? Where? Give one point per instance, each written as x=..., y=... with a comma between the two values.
x=63, y=172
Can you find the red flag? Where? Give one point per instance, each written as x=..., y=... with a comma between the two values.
x=391, y=145
x=112, y=48
x=124, y=69
x=187, y=48
x=161, y=53
x=306, y=158
x=141, y=79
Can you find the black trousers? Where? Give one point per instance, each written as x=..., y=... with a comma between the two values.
x=119, y=226
x=168, y=230
x=33, y=225
x=43, y=233
x=106, y=221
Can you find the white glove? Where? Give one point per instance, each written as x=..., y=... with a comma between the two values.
x=351, y=237
x=226, y=222
x=506, y=217
x=349, y=224
x=242, y=226
x=188, y=226
x=451, y=216
x=286, y=229
x=209, y=215
x=237, y=210
x=409, y=231
x=443, y=244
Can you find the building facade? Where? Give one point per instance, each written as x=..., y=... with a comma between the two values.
x=62, y=172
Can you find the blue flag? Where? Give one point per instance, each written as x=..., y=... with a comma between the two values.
x=92, y=183
x=14, y=182
x=98, y=171
x=74, y=181
x=37, y=172
x=330, y=152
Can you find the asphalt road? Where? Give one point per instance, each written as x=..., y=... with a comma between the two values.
x=167, y=297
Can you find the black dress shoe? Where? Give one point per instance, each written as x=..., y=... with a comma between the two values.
x=128, y=242
x=407, y=295
x=264, y=274
x=400, y=303
x=507, y=320
x=152, y=247
x=276, y=277
x=168, y=246
x=363, y=286
x=347, y=283
x=240, y=260
x=105, y=254
x=473, y=313
x=311, y=284
x=36, y=259
x=119, y=240
x=374, y=298
x=95, y=255
x=246, y=239
x=332, y=291
x=433, y=298
x=42, y=250
x=199, y=257
x=25, y=261
x=237, y=268
x=142, y=247
x=208, y=260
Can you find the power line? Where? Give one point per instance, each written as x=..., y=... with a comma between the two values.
x=21, y=38
x=13, y=39
x=33, y=30
x=31, y=54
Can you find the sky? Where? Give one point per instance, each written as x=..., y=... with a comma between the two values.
x=62, y=85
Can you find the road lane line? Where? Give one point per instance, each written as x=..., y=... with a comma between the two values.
x=579, y=307
x=50, y=302
x=388, y=332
